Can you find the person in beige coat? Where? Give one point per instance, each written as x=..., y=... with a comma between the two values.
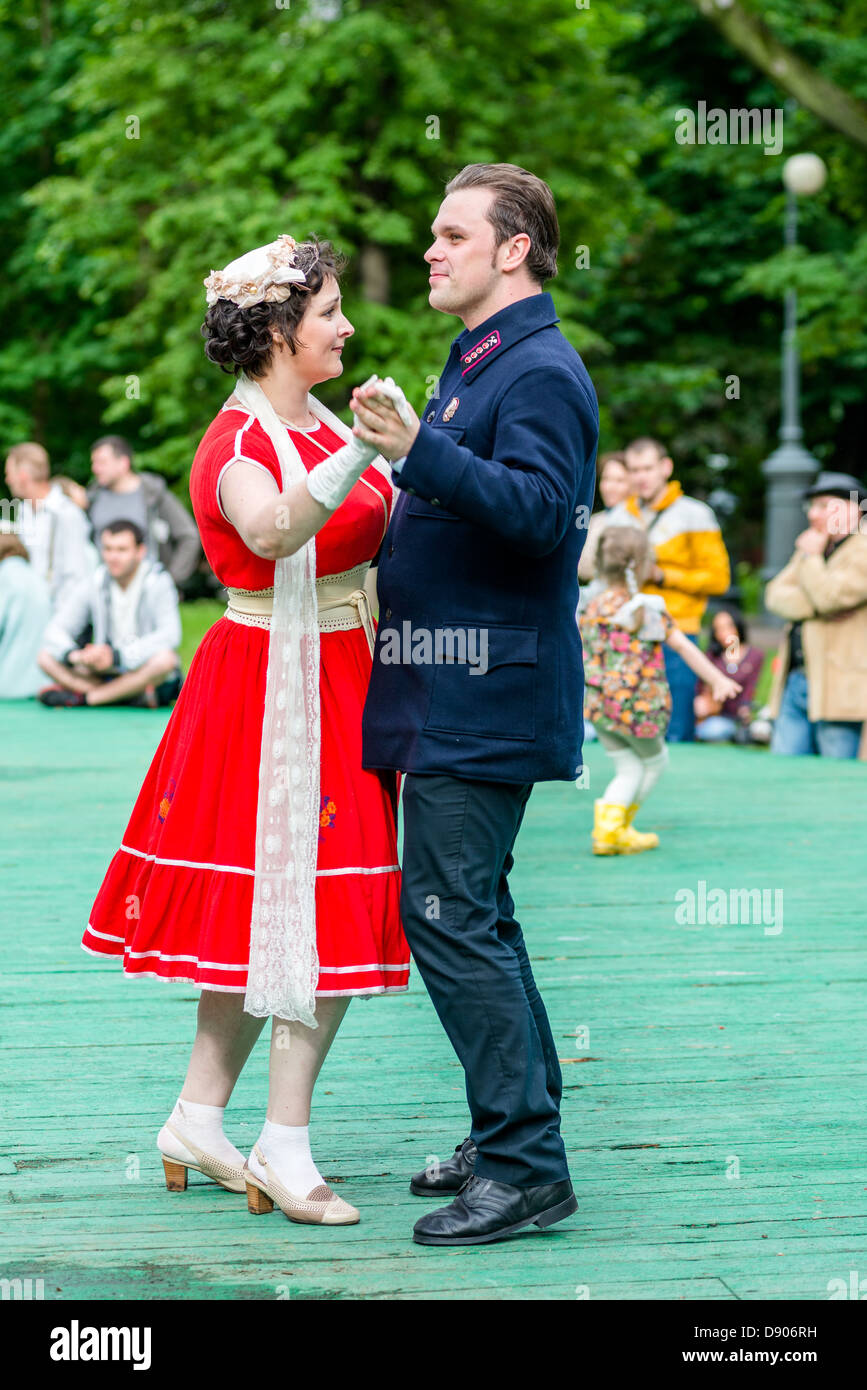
x=819, y=697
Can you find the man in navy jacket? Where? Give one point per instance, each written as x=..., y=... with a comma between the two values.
x=477, y=684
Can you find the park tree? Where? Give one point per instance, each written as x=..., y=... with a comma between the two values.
x=143, y=147
x=204, y=130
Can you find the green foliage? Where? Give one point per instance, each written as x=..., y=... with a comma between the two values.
x=196, y=618
x=751, y=587
x=142, y=147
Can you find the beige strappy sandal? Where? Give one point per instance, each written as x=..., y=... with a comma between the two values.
x=228, y=1175
x=321, y=1207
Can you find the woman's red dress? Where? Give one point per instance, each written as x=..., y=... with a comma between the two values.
x=177, y=898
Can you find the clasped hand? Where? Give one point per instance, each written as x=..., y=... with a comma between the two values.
x=378, y=422
x=96, y=656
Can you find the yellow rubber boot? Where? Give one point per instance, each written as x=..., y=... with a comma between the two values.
x=608, y=821
x=634, y=841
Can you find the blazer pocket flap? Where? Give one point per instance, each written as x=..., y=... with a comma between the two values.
x=492, y=693
x=432, y=510
x=510, y=646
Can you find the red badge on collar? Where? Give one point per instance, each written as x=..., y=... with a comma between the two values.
x=481, y=350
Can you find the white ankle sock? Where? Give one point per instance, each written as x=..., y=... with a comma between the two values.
x=287, y=1149
x=204, y=1125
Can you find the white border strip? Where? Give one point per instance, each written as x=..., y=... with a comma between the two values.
x=237, y=869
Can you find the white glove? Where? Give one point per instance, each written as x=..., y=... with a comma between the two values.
x=332, y=480
x=389, y=389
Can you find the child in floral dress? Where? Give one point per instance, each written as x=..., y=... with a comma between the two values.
x=627, y=698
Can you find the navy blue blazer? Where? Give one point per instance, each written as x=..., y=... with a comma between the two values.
x=477, y=670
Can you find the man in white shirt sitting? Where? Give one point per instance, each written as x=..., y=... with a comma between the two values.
x=131, y=604
x=54, y=530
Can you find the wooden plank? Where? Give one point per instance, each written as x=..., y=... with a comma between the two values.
x=706, y=1043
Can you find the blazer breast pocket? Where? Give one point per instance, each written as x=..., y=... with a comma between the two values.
x=488, y=687
x=429, y=511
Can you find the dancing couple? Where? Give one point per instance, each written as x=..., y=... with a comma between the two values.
x=260, y=860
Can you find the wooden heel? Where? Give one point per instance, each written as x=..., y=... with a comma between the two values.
x=176, y=1176
x=258, y=1202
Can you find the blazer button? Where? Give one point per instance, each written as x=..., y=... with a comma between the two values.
x=390, y=551
x=431, y=414
x=435, y=502
x=387, y=614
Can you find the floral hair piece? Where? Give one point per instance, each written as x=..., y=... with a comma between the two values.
x=262, y=276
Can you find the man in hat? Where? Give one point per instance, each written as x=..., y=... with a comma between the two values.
x=819, y=697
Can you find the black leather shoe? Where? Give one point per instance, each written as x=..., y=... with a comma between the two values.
x=449, y=1176
x=485, y=1210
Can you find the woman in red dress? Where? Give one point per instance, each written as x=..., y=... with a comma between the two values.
x=190, y=874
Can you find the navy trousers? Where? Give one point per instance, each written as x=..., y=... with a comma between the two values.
x=458, y=915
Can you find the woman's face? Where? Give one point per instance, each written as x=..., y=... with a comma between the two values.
x=724, y=629
x=321, y=336
x=614, y=484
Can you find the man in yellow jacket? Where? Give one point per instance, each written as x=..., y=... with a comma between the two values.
x=690, y=560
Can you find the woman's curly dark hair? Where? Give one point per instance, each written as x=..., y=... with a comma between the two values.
x=239, y=340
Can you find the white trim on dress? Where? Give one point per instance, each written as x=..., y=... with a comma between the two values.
x=238, y=458
x=241, y=989
x=236, y=869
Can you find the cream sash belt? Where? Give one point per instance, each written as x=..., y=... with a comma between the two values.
x=343, y=604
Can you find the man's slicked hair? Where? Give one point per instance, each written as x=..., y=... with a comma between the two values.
x=522, y=203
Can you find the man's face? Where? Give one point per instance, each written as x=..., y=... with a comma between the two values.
x=108, y=467
x=833, y=516
x=648, y=472
x=13, y=478
x=121, y=553
x=463, y=259
x=21, y=483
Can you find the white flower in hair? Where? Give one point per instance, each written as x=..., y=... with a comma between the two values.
x=262, y=276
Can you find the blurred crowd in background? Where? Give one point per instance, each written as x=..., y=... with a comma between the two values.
x=91, y=579
x=808, y=693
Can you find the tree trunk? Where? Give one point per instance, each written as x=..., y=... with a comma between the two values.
x=375, y=274
x=752, y=37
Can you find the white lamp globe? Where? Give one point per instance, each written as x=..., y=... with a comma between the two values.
x=804, y=173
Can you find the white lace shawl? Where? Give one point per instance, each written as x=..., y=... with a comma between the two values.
x=284, y=963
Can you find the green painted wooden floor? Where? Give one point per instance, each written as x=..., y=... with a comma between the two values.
x=715, y=1116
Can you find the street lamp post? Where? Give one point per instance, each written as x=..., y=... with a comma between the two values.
x=790, y=468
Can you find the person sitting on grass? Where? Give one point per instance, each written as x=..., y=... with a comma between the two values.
x=25, y=606
x=131, y=606
x=627, y=697
x=724, y=721
x=53, y=530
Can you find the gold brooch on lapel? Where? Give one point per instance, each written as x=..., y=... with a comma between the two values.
x=451, y=408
